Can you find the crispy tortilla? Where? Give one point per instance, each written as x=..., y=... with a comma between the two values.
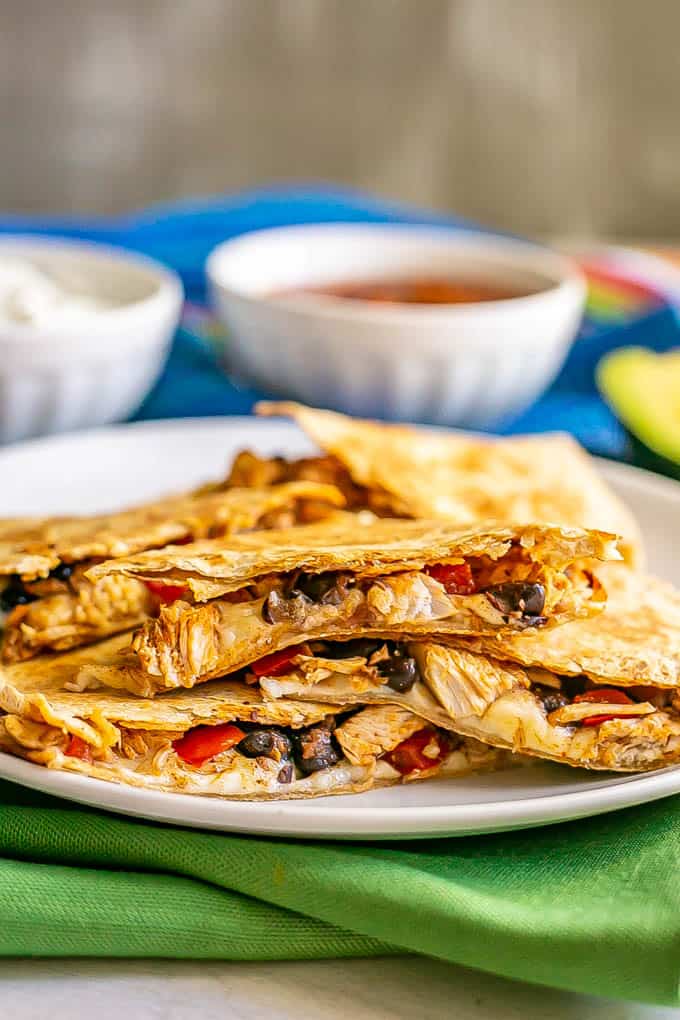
x=34, y=547
x=636, y=640
x=416, y=473
x=76, y=611
x=389, y=595
x=39, y=691
x=214, y=568
x=130, y=740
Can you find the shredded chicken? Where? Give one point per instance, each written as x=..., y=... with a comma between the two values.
x=190, y=643
x=85, y=611
x=371, y=732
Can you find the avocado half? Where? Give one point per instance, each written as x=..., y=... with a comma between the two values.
x=643, y=390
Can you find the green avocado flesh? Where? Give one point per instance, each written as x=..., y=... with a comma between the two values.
x=643, y=390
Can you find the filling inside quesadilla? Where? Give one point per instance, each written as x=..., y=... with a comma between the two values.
x=390, y=577
x=65, y=609
x=533, y=711
x=229, y=739
x=49, y=603
x=249, y=469
x=568, y=719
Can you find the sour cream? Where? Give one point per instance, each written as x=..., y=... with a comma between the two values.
x=37, y=291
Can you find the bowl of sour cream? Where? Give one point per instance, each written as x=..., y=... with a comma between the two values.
x=84, y=333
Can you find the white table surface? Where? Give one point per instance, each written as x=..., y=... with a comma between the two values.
x=411, y=988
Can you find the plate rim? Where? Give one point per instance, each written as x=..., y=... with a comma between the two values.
x=287, y=817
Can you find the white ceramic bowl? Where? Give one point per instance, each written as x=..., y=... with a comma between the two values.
x=457, y=364
x=96, y=368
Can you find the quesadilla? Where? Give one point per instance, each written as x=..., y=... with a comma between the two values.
x=565, y=719
x=535, y=712
x=635, y=640
x=401, y=471
x=51, y=604
x=227, y=739
x=251, y=595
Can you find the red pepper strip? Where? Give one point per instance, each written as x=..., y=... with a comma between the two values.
x=166, y=592
x=205, y=742
x=456, y=577
x=608, y=695
x=78, y=748
x=408, y=756
x=277, y=663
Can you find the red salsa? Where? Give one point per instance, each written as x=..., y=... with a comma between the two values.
x=425, y=290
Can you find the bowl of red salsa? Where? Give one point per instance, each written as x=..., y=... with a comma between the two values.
x=402, y=322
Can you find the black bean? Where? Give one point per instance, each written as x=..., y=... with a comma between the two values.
x=534, y=621
x=400, y=670
x=62, y=572
x=314, y=586
x=15, y=595
x=573, y=685
x=551, y=699
x=517, y=597
x=277, y=609
x=265, y=743
x=360, y=647
x=287, y=773
x=315, y=749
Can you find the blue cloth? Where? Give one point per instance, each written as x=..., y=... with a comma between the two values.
x=182, y=234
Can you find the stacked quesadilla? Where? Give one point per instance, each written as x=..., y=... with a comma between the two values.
x=50, y=604
x=439, y=633
x=226, y=738
x=192, y=701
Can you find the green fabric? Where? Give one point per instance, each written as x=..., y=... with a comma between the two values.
x=592, y=906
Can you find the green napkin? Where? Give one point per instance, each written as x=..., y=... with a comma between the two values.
x=592, y=906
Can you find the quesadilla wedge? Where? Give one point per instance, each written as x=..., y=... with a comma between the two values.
x=634, y=641
x=52, y=605
x=565, y=719
x=534, y=712
x=251, y=595
x=401, y=471
x=225, y=740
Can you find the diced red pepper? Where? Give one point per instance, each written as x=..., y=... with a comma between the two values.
x=606, y=695
x=456, y=577
x=166, y=593
x=277, y=663
x=205, y=742
x=408, y=756
x=645, y=692
x=78, y=748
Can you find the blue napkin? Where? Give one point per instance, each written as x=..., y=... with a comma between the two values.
x=182, y=234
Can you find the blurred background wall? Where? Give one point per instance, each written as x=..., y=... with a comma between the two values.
x=548, y=117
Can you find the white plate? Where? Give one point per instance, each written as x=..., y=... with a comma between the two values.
x=113, y=467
